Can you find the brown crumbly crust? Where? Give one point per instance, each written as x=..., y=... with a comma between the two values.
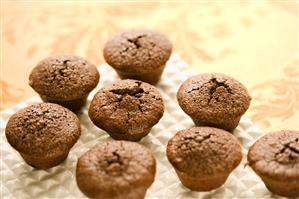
x=137, y=51
x=204, y=151
x=64, y=78
x=213, y=99
x=276, y=155
x=43, y=130
x=127, y=110
x=116, y=169
x=275, y=158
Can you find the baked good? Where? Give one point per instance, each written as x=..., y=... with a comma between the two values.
x=214, y=99
x=116, y=170
x=275, y=158
x=203, y=157
x=127, y=110
x=138, y=54
x=65, y=80
x=43, y=134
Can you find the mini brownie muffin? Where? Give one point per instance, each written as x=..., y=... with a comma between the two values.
x=65, y=80
x=138, y=54
x=127, y=110
x=203, y=157
x=116, y=170
x=43, y=134
x=275, y=158
x=213, y=99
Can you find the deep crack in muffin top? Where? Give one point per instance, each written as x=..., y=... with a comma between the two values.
x=276, y=155
x=213, y=93
x=214, y=99
x=115, y=169
x=137, y=51
x=127, y=107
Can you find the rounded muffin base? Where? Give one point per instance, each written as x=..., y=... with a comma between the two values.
x=73, y=105
x=152, y=77
x=129, y=137
x=137, y=193
x=228, y=125
x=284, y=188
x=43, y=161
x=202, y=184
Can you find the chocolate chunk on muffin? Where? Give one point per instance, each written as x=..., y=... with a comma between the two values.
x=127, y=110
x=275, y=158
x=116, y=170
x=65, y=80
x=43, y=134
x=203, y=157
x=214, y=99
x=138, y=54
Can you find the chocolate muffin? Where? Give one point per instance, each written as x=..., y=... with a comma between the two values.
x=116, y=170
x=43, y=134
x=203, y=157
x=138, y=54
x=275, y=158
x=214, y=99
x=127, y=110
x=65, y=80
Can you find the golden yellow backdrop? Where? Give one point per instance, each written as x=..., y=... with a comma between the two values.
x=253, y=41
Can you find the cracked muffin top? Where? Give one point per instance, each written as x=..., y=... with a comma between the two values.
x=64, y=77
x=42, y=128
x=204, y=151
x=113, y=168
x=214, y=94
x=128, y=106
x=137, y=51
x=276, y=155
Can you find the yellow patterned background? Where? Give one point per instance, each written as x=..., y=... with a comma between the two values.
x=254, y=41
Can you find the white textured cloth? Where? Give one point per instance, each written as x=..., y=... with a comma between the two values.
x=18, y=180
